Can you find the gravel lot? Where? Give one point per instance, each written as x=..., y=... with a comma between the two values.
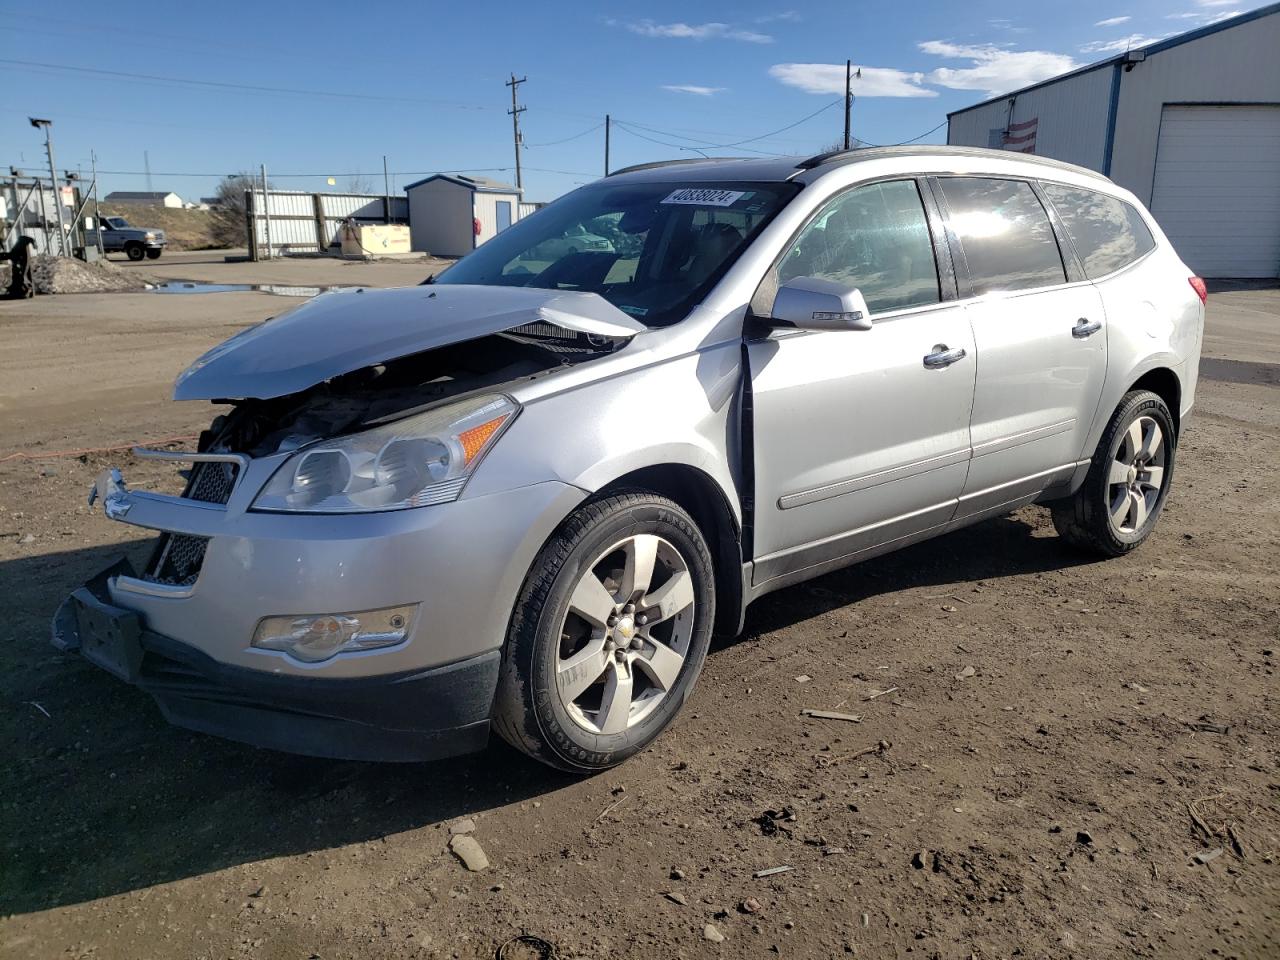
x=1044, y=804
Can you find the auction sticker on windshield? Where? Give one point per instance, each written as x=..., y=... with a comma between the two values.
x=706, y=197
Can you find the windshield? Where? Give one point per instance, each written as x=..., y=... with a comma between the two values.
x=650, y=249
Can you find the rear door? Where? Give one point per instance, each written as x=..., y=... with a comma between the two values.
x=1039, y=329
x=860, y=438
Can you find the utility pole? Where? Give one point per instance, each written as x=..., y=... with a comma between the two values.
x=386, y=190
x=146, y=165
x=850, y=76
x=266, y=211
x=97, y=205
x=848, y=98
x=606, y=144
x=45, y=125
x=515, y=112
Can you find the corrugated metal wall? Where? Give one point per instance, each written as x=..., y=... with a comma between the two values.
x=1071, y=115
x=1237, y=65
x=300, y=221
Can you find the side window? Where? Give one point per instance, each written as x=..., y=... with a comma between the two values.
x=1005, y=234
x=875, y=238
x=1108, y=233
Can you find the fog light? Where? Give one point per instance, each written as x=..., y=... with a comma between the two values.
x=312, y=639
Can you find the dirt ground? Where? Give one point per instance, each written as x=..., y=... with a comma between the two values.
x=1119, y=718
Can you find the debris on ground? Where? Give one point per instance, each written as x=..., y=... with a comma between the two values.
x=1084, y=838
x=469, y=851
x=537, y=949
x=831, y=715
x=712, y=933
x=1207, y=856
x=69, y=275
x=770, y=821
x=465, y=825
x=966, y=673
x=679, y=898
x=770, y=871
x=750, y=905
x=1205, y=725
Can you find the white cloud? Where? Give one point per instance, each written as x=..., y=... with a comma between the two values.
x=995, y=69
x=1214, y=3
x=1112, y=21
x=697, y=31
x=829, y=78
x=693, y=88
x=1120, y=45
x=791, y=16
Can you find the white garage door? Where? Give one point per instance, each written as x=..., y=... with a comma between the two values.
x=1217, y=188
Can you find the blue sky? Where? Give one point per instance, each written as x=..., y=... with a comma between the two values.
x=423, y=82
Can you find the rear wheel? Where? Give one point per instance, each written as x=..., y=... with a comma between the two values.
x=609, y=634
x=135, y=251
x=1116, y=508
x=153, y=253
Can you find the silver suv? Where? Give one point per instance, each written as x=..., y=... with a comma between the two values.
x=525, y=493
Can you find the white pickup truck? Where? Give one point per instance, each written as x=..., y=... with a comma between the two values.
x=137, y=242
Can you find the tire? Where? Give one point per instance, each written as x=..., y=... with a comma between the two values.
x=154, y=253
x=135, y=251
x=1117, y=506
x=548, y=705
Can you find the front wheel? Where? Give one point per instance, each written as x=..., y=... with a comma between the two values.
x=609, y=633
x=1117, y=506
x=154, y=253
x=135, y=251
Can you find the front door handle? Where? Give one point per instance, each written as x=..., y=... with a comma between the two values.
x=1085, y=328
x=942, y=357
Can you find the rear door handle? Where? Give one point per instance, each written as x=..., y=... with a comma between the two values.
x=942, y=357
x=1085, y=328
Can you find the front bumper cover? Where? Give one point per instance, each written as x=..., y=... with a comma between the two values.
x=419, y=715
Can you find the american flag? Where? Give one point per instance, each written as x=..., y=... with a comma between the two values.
x=1020, y=136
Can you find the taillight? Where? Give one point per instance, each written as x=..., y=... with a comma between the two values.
x=1198, y=286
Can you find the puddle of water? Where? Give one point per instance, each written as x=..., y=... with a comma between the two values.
x=276, y=289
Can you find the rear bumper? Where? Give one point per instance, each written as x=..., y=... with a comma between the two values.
x=418, y=715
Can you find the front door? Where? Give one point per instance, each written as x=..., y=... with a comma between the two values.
x=1041, y=339
x=861, y=438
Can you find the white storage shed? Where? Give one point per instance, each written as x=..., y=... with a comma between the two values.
x=451, y=214
x=1190, y=124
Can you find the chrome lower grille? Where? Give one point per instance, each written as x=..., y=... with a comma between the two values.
x=178, y=556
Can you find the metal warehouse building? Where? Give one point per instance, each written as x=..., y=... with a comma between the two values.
x=451, y=214
x=1190, y=124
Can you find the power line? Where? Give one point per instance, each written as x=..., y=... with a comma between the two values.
x=312, y=176
x=903, y=143
x=576, y=136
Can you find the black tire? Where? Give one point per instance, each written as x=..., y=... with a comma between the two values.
x=135, y=251
x=153, y=253
x=1084, y=520
x=528, y=711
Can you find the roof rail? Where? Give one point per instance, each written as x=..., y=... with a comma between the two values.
x=937, y=150
x=669, y=163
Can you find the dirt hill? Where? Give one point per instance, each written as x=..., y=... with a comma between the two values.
x=184, y=229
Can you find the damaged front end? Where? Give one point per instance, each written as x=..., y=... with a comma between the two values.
x=298, y=515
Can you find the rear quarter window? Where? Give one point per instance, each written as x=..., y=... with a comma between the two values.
x=1108, y=233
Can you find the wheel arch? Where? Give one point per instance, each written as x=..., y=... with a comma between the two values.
x=1164, y=383
x=699, y=494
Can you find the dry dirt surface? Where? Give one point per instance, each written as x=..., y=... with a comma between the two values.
x=1057, y=757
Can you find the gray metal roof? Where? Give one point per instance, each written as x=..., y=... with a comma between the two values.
x=470, y=181
x=139, y=194
x=1148, y=50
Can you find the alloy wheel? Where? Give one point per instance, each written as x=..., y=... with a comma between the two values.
x=1135, y=479
x=626, y=634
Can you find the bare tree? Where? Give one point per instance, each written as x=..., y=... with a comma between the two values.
x=229, y=212
x=359, y=183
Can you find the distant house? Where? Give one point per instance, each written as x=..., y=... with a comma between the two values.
x=451, y=214
x=145, y=196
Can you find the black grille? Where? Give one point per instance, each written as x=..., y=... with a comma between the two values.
x=178, y=556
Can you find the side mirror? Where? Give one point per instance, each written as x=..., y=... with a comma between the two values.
x=810, y=303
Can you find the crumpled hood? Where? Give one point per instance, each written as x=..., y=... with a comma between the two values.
x=346, y=330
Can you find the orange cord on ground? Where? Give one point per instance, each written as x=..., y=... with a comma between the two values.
x=24, y=455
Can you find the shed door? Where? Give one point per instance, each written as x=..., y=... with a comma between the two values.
x=504, y=214
x=1217, y=188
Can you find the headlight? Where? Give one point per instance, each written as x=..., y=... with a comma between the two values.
x=413, y=462
x=319, y=638
x=150, y=236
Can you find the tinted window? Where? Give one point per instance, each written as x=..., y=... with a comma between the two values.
x=650, y=249
x=1107, y=233
x=875, y=238
x=1005, y=233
